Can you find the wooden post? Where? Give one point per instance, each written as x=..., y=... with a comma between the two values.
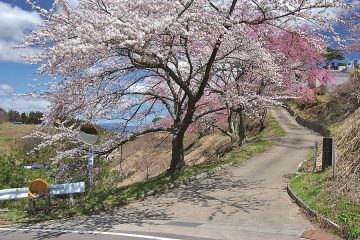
x=47, y=204
x=31, y=206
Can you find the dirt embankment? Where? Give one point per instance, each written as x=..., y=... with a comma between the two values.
x=349, y=155
x=340, y=112
x=335, y=107
x=150, y=155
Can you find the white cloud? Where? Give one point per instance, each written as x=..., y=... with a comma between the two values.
x=14, y=24
x=8, y=100
x=23, y=104
x=11, y=54
x=5, y=90
x=15, y=21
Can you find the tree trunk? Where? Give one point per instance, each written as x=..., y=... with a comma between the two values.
x=233, y=130
x=237, y=126
x=262, y=120
x=177, y=158
x=234, y=140
x=241, y=127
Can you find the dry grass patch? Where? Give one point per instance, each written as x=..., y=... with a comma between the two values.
x=11, y=134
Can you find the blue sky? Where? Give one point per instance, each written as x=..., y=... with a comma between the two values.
x=16, y=19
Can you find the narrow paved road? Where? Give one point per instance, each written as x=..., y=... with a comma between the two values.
x=244, y=202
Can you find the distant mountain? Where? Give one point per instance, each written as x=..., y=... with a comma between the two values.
x=117, y=127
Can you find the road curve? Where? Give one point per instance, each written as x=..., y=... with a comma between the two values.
x=247, y=202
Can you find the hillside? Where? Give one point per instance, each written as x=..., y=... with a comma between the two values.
x=11, y=134
x=332, y=109
x=348, y=138
x=149, y=155
x=337, y=199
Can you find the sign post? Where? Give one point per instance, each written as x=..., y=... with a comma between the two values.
x=89, y=135
x=329, y=155
x=334, y=159
x=90, y=165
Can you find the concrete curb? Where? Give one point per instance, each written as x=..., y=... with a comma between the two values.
x=309, y=124
x=323, y=220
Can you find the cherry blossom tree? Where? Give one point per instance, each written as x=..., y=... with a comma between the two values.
x=241, y=89
x=263, y=75
x=129, y=60
x=352, y=23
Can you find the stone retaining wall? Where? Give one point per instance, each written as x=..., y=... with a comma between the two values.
x=309, y=124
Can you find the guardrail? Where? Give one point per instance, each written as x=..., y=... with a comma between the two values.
x=55, y=189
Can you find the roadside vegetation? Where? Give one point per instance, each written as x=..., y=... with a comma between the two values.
x=108, y=193
x=337, y=199
x=318, y=191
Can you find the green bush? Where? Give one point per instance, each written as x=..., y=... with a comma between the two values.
x=12, y=175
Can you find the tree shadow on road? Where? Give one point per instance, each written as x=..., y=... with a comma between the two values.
x=220, y=194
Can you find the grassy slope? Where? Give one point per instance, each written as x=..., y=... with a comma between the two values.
x=317, y=189
x=10, y=134
x=105, y=197
x=317, y=192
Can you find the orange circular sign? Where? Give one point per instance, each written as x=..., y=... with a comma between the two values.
x=38, y=188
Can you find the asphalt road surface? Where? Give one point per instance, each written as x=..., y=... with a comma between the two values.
x=247, y=202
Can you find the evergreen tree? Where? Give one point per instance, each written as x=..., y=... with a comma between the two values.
x=333, y=54
x=24, y=118
x=35, y=117
x=14, y=116
x=3, y=116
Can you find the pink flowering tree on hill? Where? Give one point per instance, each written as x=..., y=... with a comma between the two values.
x=263, y=74
x=242, y=87
x=129, y=60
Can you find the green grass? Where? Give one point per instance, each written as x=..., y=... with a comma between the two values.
x=272, y=130
x=105, y=197
x=334, y=129
x=315, y=189
x=11, y=215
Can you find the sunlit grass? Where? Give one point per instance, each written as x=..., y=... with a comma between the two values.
x=10, y=133
x=315, y=189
